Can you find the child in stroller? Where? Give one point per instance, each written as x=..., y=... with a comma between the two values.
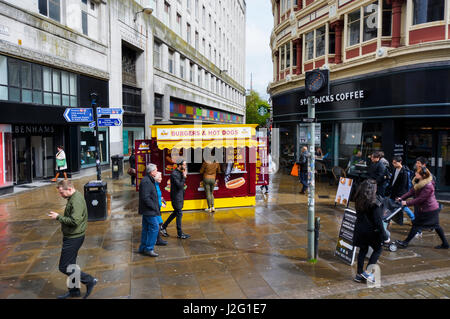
x=393, y=211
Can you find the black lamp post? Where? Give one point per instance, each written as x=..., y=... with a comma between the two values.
x=94, y=97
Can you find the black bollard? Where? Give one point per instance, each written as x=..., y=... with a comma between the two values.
x=316, y=237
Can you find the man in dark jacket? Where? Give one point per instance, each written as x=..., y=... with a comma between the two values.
x=149, y=209
x=73, y=226
x=303, y=169
x=177, y=179
x=377, y=172
x=399, y=182
x=132, y=161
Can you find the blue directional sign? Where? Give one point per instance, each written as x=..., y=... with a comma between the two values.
x=109, y=111
x=109, y=122
x=78, y=115
x=92, y=125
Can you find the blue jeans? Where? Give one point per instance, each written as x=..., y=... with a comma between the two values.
x=150, y=229
x=303, y=176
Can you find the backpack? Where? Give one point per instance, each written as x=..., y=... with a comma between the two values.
x=410, y=175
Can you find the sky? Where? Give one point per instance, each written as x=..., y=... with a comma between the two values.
x=258, y=53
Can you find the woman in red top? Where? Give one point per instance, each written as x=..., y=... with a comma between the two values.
x=427, y=207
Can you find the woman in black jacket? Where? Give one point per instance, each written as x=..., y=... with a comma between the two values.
x=369, y=230
x=132, y=161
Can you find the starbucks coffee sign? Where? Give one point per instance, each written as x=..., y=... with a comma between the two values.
x=344, y=96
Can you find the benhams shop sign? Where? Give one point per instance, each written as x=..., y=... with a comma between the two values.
x=203, y=133
x=353, y=95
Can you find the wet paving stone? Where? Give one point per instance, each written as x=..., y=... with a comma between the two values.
x=257, y=252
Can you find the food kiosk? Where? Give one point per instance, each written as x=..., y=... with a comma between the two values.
x=234, y=146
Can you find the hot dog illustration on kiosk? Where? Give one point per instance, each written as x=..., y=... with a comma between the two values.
x=235, y=183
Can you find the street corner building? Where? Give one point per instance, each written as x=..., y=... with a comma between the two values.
x=160, y=61
x=389, y=66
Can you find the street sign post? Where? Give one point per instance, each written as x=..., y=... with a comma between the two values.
x=78, y=115
x=108, y=122
x=109, y=111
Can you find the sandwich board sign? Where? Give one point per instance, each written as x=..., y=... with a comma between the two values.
x=343, y=192
x=344, y=248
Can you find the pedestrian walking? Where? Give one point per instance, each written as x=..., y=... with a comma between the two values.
x=369, y=229
x=422, y=162
x=149, y=209
x=209, y=170
x=177, y=179
x=427, y=208
x=162, y=203
x=132, y=171
x=400, y=185
x=271, y=168
x=303, y=169
x=61, y=163
x=73, y=226
x=377, y=171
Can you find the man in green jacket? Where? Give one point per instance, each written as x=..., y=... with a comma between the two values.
x=73, y=226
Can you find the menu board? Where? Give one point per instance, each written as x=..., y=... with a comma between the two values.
x=344, y=248
x=262, y=160
x=343, y=192
x=142, y=154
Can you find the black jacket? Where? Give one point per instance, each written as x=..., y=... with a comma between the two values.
x=369, y=228
x=148, y=197
x=376, y=172
x=177, y=189
x=400, y=186
x=132, y=161
x=303, y=162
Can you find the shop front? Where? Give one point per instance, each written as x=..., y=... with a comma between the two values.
x=232, y=146
x=405, y=111
x=6, y=162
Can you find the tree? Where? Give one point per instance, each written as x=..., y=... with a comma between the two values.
x=253, y=102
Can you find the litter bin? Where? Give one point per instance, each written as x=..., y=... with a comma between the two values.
x=117, y=166
x=95, y=196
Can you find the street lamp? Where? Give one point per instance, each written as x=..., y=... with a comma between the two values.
x=147, y=10
x=94, y=99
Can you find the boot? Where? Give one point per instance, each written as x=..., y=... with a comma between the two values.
x=65, y=175
x=56, y=177
x=160, y=241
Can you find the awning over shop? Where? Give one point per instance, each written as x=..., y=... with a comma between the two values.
x=195, y=136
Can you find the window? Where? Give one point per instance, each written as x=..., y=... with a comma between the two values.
x=26, y=82
x=294, y=55
x=282, y=57
x=84, y=22
x=188, y=33
x=51, y=9
x=199, y=77
x=428, y=11
x=131, y=99
x=179, y=23
x=204, y=17
x=158, y=105
x=191, y=73
x=196, y=9
x=196, y=40
x=309, y=44
x=188, y=4
x=182, y=65
x=320, y=41
x=370, y=22
x=331, y=41
x=353, y=27
x=387, y=19
x=288, y=55
x=167, y=13
x=157, y=54
x=171, y=68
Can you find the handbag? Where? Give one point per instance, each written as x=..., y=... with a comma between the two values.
x=294, y=171
x=60, y=162
x=131, y=171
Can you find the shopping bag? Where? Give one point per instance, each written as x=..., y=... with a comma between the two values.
x=60, y=163
x=294, y=171
x=131, y=171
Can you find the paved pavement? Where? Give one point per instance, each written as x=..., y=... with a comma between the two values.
x=253, y=252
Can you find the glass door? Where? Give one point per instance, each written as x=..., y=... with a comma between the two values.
x=443, y=161
x=49, y=157
x=420, y=144
x=23, y=160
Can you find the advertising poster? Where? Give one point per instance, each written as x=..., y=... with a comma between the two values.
x=343, y=192
x=142, y=154
x=262, y=160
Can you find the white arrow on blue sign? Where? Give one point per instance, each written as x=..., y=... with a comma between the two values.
x=109, y=122
x=78, y=115
x=109, y=111
x=92, y=125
